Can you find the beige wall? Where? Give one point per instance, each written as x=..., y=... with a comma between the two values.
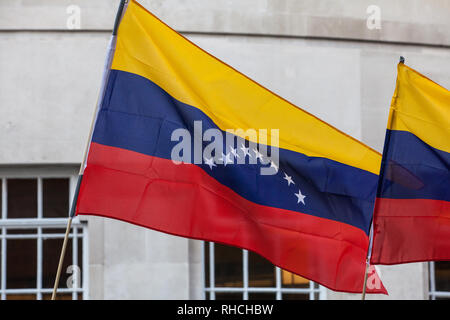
x=417, y=21
x=318, y=54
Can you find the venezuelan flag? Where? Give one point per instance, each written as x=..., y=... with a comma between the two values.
x=412, y=211
x=311, y=217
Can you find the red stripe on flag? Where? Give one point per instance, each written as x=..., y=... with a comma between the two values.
x=411, y=230
x=184, y=200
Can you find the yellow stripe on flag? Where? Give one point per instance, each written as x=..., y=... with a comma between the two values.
x=149, y=48
x=421, y=107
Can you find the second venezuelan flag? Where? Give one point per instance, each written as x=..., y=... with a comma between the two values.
x=412, y=211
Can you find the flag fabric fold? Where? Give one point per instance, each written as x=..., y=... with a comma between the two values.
x=310, y=217
x=412, y=210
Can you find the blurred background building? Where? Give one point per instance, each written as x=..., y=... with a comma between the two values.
x=335, y=58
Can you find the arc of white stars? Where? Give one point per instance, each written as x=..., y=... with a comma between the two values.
x=210, y=163
x=300, y=197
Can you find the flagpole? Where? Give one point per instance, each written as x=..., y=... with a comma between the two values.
x=366, y=271
x=107, y=67
x=363, y=297
x=369, y=251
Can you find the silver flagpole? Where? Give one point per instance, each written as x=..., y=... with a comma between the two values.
x=106, y=72
x=369, y=253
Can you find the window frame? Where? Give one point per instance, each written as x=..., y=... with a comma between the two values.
x=212, y=289
x=78, y=231
x=432, y=292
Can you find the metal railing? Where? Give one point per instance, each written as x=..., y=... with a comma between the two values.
x=41, y=226
x=311, y=292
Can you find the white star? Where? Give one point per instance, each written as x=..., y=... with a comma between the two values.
x=288, y=179
x=226, y=159
x=300, y=197
x=273, y=165
x=245, y=150
x=258, y=155
x=234, y=152
x=210, y=162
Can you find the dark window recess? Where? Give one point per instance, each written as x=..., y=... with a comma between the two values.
x=22, y=198
x=442, y=275
x=21, y=262
x=261, y=273
x=228, y=266
x=51, y=253
x=55, y=193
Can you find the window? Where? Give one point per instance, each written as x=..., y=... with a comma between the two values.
x=34, y=209
x=439, y=280
x=232, y=273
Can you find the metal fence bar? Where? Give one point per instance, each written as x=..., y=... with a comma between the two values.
x=245, y=274
x=75, y=266
x=44, y=236
x=278, y=283
x=322, y=293
x=441, y=294
x=432, y=280
x=212, y=294
x=3, y=255
x=49, y=223
x=43, y=290
x=311, y=288
x=3, y=266
x=85, y=270
x=39, y=239
x=203, y=271
x=4, y=199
